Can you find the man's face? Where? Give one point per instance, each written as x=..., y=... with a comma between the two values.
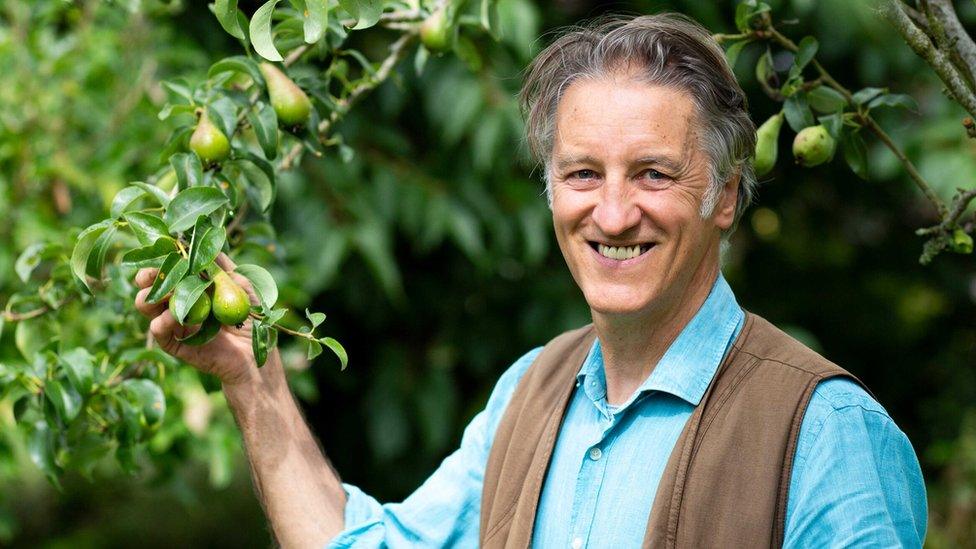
x=626, y=172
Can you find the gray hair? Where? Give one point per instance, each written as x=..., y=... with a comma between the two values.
x=670, y=50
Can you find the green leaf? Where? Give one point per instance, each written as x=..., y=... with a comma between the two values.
x=186, y=294
x=226, y=12
x=148, y=228
x=207, y=331
x=149, y=397
x=158, y=194
x=797, y=112
x=206, y=244
x=223, y=112
x=867, y=94
x=180, y=87
x=238, y=63
x=260, y=341
x=804, y=54
x=171, y=272
x=169, y=109
x=314, y=318
x=83, y=249
x=732, y=53
x=189, y=171
x=190, y=204
x=314, y=349
x=365, y=12
x=764, y=67
x=316, y=20
x=856, y=154
x=151, y=255
x=263, y=283
x=826, y=99
x=834, y=124
x=79, y=367
x=894, y=100
x=32, y=335
x=265, y=123
x=259, y=174
x=260, y=31
x=96, y=259
x=742, y=14
x=40, y=447
x=29, y=259
x=336, y=348
x=124, y=200
x=66, y=400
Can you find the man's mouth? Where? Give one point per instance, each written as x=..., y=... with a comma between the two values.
x=621, y=253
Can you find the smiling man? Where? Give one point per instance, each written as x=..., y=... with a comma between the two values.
x=676, y=418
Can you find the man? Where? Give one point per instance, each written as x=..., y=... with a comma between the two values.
x=676, y=419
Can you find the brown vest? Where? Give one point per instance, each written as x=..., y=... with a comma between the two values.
x=726, y=482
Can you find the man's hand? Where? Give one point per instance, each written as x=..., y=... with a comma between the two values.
x=300, y=492
x=227, y=356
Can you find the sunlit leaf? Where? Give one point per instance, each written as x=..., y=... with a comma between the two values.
x=190, y=204
x=260, y=31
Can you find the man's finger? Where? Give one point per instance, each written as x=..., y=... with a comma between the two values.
x=162, y=328
x=145, y=277
x=149, y=310
x=225, y=262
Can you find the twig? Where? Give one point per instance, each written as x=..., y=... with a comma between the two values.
x=870, y=123
x=936, y=58
x=397, y=53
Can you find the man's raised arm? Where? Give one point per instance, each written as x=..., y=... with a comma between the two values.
x=299, y=490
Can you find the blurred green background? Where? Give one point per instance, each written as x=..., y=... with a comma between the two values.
x=432, y=253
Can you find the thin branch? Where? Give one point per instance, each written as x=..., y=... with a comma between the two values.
x=893, y=10
x=868, y=121
x=397, y=52
x=961, y=46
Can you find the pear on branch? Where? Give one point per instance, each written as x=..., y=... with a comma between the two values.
x=813, y=146
x=208, y=142
x=289, y=102
x=767, y=137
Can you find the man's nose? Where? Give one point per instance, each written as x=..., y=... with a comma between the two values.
x=616, y=211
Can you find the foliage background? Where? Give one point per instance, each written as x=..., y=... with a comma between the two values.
x=431, y=252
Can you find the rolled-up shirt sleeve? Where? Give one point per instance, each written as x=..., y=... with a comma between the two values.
x=856, y=480
x=444, y=510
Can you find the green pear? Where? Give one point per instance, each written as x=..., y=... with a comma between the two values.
x=197, y=313
x=231, y=304
x=288, y=100
x=962, y=243
x=208, y=142
x=767, y=137
x=436, y=32
x=813, y=146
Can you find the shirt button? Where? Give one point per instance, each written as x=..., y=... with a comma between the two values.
x=577, y=543
x=595, y=453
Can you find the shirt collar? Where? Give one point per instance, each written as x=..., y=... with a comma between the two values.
x=689, y=364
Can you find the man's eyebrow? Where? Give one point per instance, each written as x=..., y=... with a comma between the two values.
x=668, y=162
x=564, y=161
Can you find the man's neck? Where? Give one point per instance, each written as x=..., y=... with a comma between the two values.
x=632, y=345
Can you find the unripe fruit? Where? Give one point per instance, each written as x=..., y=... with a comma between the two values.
x=962, y=243
x=231, y=304
x=288, y=100
x=813, y=145
x=208, y=142
x=436, y=32
x=197, y=313
x=767, y=137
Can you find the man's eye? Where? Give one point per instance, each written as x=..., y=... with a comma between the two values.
x=584, y=174
x=655, y=175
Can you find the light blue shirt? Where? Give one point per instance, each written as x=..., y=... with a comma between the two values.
x=855, y=479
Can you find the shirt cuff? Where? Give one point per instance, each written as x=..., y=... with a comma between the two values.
x=363, y=517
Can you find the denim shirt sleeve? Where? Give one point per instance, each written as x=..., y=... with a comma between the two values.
x=444, y=510
x=856, y=480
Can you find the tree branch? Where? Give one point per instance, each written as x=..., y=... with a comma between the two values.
x=894, y=11
x=397, y=52
x=960, y=44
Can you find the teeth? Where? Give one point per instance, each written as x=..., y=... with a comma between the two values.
x=619, y=253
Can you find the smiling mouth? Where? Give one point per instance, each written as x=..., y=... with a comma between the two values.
x=621, y=253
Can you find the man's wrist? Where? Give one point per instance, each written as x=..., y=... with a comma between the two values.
x=261, y=383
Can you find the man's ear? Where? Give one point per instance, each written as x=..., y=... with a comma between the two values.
x=727, y=200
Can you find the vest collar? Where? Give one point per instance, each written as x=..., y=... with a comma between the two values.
x=691, y=360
